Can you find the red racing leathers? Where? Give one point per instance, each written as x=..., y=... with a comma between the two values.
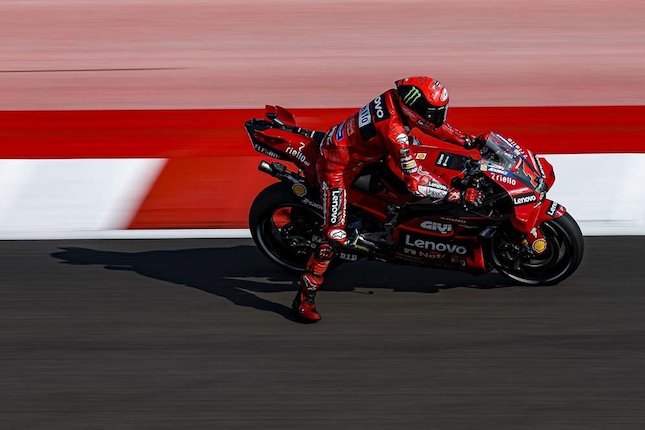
x=376, y=130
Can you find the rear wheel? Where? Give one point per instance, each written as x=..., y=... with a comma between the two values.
x=565, y=248
x=283, y=228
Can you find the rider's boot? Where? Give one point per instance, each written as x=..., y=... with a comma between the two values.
x=304, y=306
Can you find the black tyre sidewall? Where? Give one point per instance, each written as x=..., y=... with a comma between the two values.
x=569, y=227
x=267, y=201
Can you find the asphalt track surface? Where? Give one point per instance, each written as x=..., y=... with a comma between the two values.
x=191, y=334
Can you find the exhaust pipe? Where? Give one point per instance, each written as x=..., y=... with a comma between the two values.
x=265, y=167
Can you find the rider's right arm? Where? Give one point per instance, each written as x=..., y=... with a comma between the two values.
x=398, y=143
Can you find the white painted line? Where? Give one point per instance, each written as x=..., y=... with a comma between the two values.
x=588, y=228
x=241, y=233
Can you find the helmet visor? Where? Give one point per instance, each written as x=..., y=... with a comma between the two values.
x=436, y=115
x=413, y=98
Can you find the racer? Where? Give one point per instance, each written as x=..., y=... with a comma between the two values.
x=379, y=128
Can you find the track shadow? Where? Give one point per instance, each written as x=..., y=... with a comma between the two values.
x=238, y=273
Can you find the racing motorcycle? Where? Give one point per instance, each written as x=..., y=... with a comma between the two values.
x=385, y=222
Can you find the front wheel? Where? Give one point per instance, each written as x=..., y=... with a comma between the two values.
x=565, y=248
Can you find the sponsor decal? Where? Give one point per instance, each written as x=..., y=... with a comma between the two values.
x=454, y=220
x=312, y=204
x=364, y=116
x=266, y=151
x=437, y=226
x=324, y=252
x=351, y=128
x=503, y=179
x=431, y=245
x=444, y=95
x=340, y=132
x=365, y=125
x=335, y=208
x=402, y=138
x=412, y=96
x=299, y=190
x=539, y=164
x=408, y=165
x=379, y=109
x=324, y=188
x=297, y=154
x=348, y=257
x=458, y=261
x=431, y=255
x=443, y=160
x=524, y=199
x=539, y=246
x=451, y=161
x=493, y=169
x=424, y=254
x=552, y=209
x=533, y=177
x=420, y=156
x=453, y=196
x=337, y=234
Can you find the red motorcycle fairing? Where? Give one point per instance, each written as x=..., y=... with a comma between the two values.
x=524, y=177
x=550, y=210
x=279, y=137
x=435, y=241
x=281, y=114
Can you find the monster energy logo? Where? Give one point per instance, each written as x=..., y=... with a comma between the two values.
x=412, y=96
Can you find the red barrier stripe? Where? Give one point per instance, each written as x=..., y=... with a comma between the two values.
x=211, y=178
x=217, y=133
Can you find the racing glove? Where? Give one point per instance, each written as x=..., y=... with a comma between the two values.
x=470, y=141
x=475, y=142
x=416, y=183
x=422, y=185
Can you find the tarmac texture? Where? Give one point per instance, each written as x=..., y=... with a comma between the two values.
x=168, y=334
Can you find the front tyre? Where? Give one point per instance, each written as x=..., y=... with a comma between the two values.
x=284, y=228
x=565, y=248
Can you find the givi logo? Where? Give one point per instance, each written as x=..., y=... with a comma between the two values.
x=437, y=226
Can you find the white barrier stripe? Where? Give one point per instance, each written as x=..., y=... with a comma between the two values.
x=235, y=233
x=96, y=198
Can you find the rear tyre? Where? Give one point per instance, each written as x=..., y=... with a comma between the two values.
x=284, y=228
x=565, y=249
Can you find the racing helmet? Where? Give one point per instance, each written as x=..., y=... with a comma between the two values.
x=424, y=101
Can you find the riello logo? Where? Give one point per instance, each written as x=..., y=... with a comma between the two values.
x=297, y=155
x=436, y=246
